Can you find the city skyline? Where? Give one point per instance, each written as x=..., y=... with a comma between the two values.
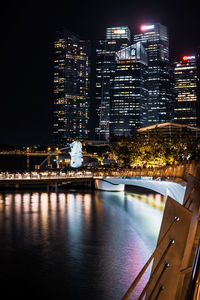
x=28, y=35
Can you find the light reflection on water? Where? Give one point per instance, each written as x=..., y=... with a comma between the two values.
x=90, y=244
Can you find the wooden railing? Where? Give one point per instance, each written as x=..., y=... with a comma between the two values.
x=181, y=171
x=178, y=249
x=137, y=279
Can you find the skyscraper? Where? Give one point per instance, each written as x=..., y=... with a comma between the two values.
x=156, y=43
x=71, y=87
x=198, y=85
x=116, y=38
x=186, y=109
x=129, y=94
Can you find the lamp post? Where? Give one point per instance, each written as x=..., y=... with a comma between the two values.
x=27, y=158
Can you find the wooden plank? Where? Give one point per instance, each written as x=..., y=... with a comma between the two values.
x=169, y=279
x=192, y=202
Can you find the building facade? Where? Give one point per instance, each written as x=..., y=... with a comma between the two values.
x=186, y=110
x=116, y=38
x=129, y=94
x=71, y=87
x=155, y=39
x=169, y=131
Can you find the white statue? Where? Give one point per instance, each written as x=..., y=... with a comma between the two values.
x=76, y=154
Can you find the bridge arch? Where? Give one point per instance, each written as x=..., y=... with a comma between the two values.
x=165, y=188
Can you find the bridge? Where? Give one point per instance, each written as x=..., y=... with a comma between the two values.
x=53, y=179
x=37, y=180
x=165, y=188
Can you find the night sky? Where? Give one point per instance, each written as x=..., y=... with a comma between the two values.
x=27, y=36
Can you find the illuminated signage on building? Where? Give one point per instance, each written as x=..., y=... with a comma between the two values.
x=146, y=27
x=119, y=31
x=186, y=58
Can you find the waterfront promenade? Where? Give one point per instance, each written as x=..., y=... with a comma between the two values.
x=59, y=179
x=182, y=238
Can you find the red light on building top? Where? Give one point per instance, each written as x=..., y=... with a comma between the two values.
x=119, y=31
x=143, y=28
x=185, y=58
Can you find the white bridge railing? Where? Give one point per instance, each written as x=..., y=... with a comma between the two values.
x=43, y=175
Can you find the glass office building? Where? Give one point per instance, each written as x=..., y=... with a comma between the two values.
x=198, y=85
x=71, y=87
x=155, y=39
x=186, y=110
x=116, y=38
x=129, y=94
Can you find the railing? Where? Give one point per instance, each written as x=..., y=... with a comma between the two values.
x=194, y=286
x=179, y=171
x=137, y=279
x=175, y=283
x=42, y=175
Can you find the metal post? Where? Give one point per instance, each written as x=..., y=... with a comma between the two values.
x=193, y=292
x=28, y=162
x=56, y=187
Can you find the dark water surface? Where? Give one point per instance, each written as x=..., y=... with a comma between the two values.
x=75, y=245
x=19, y=162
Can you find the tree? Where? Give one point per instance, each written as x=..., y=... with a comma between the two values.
x=121, y=148
x=152, y=149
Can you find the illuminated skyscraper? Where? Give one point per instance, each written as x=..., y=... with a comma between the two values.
x=198, y=85
x=156, y=43
x=186, y=109
x=129, y=94
x=116, y=38
x=71, y=87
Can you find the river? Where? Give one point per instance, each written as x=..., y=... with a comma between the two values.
x=76, y=244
